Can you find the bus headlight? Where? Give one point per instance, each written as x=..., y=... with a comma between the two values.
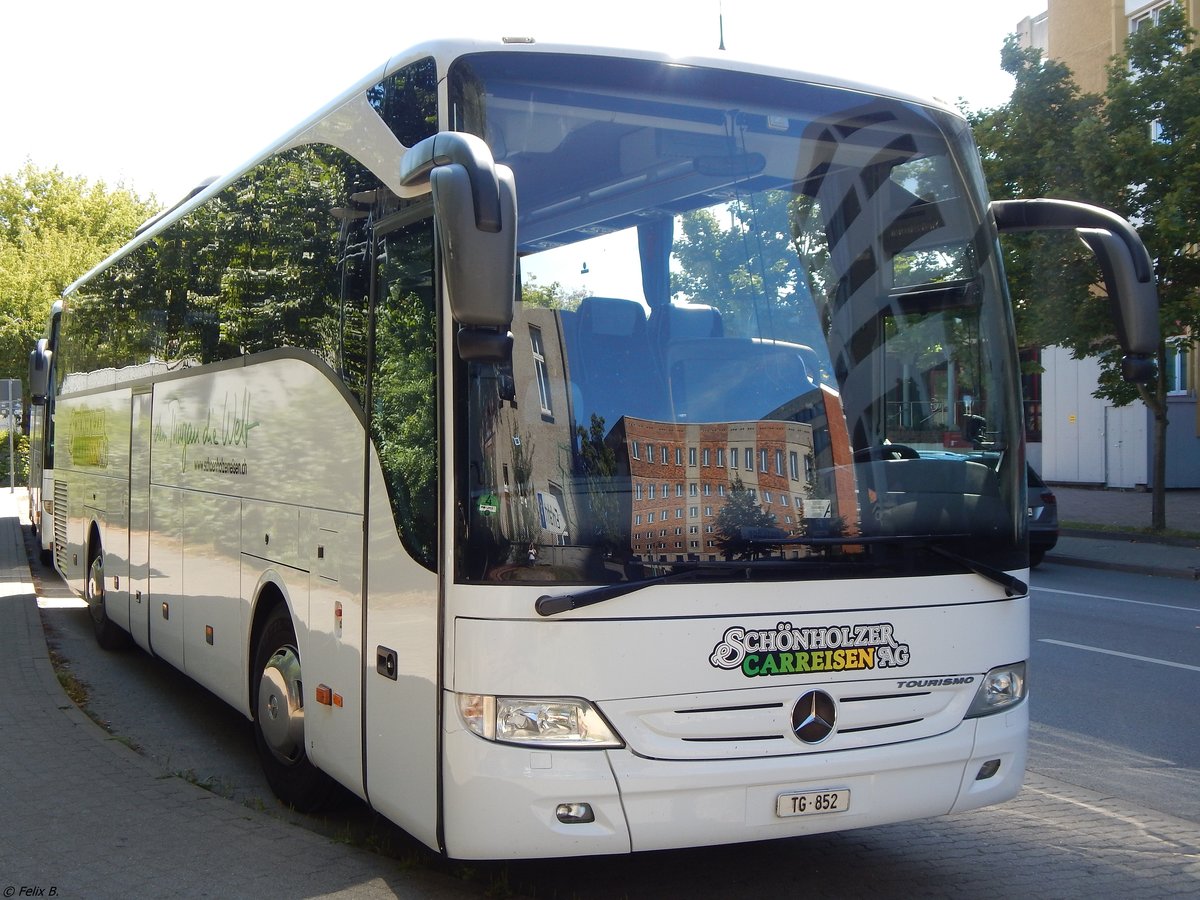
x=1001, y=688
x=537, y=721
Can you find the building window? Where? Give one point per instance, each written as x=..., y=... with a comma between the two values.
x=778, y=462
x=539, y=366
x=635, y=450
x=733, y=458
x=650, y=453
x=721, y=457
x=748, y=455
x=637, y=492
x=1176, y=366
x=794, y=465
x=762, y=460
x=664, y=457
x=679, y=456
x=1148, y=18
x=652, y=489
x=707, y=457
x=691, y=456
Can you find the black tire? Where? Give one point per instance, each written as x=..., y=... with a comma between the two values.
x=1036, y=557
x=279, y=717
x=109, y=635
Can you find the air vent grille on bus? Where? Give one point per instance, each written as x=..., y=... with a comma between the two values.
x=60, y=524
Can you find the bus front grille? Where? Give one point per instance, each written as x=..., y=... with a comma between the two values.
x=763, y=722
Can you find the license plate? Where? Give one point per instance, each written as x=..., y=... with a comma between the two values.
x=811, y=803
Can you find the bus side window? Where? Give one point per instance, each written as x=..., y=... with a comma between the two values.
x=404, y=384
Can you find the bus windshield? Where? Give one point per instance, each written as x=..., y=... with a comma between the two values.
x=754, y=324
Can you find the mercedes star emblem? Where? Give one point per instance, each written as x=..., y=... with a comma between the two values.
x=813, y=717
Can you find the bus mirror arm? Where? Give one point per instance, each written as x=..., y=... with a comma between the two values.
x=39, y=373
x=1134, y=304
x=1124, y=263
x=475, y=206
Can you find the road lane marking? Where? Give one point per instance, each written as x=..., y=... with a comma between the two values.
x=1149, y=659
x=1115, y=599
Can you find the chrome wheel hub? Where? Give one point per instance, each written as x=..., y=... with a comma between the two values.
x=281, y=705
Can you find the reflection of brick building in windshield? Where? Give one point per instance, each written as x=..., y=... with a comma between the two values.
x=681, y=476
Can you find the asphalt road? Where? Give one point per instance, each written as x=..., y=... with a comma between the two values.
x=1115, y=666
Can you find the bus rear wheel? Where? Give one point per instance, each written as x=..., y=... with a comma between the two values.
x=279, y=717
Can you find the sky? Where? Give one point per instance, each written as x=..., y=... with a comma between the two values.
x=157, y=96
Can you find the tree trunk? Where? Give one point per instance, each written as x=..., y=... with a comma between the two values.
x=1156, y=400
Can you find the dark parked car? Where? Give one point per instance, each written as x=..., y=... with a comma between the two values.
x=1043, y=518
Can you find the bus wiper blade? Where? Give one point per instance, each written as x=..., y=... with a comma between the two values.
x=553, y=604
x=1013, y=587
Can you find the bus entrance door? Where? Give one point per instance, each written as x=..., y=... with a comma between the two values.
x=139, y=520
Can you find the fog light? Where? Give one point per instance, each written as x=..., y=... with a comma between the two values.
x=988, y=769
x=575, y=813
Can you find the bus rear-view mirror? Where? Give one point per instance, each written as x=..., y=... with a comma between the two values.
x=1124, y=263
x=475, y=205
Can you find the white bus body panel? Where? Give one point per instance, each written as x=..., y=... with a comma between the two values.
x=709, y=747
x=401, y=711
x=216, y=501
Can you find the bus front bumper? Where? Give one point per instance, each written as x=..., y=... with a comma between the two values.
x=502, y=801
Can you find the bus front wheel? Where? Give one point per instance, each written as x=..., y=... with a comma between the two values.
x=279, y=717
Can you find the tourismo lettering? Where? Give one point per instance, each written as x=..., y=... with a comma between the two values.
x=787, y=650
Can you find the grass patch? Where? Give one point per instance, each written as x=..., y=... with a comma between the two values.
x=76, y=689
x=1115, y=530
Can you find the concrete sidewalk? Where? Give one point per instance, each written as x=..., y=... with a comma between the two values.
x=85, y=816
x=1104, y=532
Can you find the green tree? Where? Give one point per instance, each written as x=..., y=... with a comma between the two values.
x=53, y=228
x=550, y=296
x=1135, y=150
x=1030, y=149
x=744, y=258
x=1143, y=152
x=598, y=465
x=740, y=512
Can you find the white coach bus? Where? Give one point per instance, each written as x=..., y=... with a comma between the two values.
x=41, y=439
x=577, y=452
